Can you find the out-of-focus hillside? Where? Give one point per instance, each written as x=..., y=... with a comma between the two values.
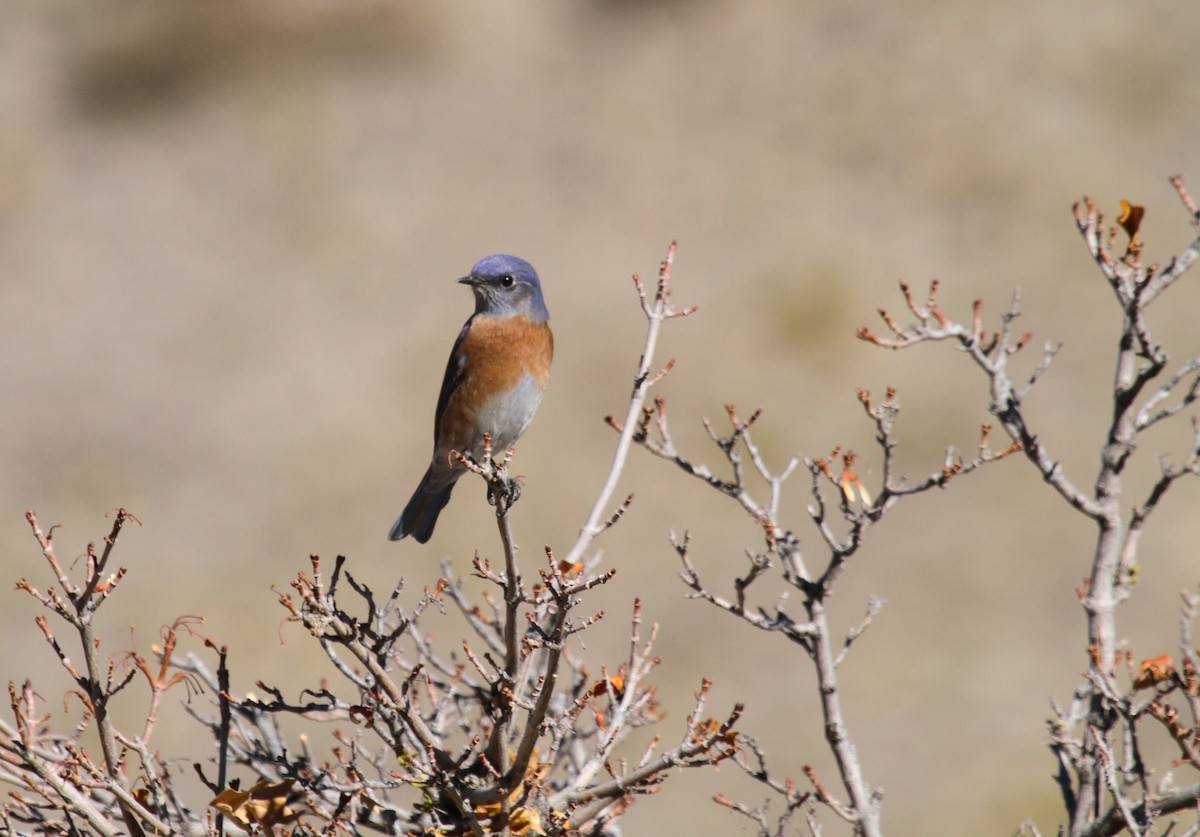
x=228, y=235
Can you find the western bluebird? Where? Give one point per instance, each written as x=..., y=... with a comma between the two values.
x=494, y=380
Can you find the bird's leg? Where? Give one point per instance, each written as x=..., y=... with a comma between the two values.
x=503, y=487
x=500, y=485
x=512, y=487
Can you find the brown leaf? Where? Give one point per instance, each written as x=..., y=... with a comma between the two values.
x=570, y=568
x=1131, y=218
x=525, y=821
x=1153, y=671
x=535, y=774
x=600, y=687
x=264, y=804
x=488, y=810
x=850, y=484
x=1131, y=221
x=364, y=715
x=521, y=820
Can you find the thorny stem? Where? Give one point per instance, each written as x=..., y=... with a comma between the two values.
x=499, y=493
x=857, y=512
x=863, y=802
x=46, y=765
x=85, y=601
x=657, y=311
x=547, y=688
x=1139, y=360
x=225, y=722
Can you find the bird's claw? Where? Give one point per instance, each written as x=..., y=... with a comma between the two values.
x=513, y=488
x=508, y=488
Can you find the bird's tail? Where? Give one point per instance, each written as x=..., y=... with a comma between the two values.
x=421, y=514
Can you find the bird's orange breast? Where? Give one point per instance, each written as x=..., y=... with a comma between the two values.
x=507, y=367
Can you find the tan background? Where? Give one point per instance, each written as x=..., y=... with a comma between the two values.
x=228, y=236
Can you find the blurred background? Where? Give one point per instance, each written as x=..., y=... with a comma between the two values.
x=228, y=240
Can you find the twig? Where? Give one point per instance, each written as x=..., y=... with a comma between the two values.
x=657, y=311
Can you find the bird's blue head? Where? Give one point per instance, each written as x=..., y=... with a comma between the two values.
x=505, y=286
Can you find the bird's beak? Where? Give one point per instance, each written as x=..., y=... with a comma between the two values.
x=472, y=280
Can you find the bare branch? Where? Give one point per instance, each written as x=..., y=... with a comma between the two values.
x=657, y=311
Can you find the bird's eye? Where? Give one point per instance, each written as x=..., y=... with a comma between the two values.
x=507, y=281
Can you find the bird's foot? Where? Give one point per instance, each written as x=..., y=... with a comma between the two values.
x=513, y=489
x=506, y=487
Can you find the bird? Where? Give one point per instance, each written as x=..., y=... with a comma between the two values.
x=495, y=377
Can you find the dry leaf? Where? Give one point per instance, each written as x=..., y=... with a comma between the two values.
x=1131, y=221
x=1131, y=218
x=1152, y=671
x=570, y=568
x=264, y=804
x=535, y=774
x=525, y=821
x=851, y=483
x=364, y=715
x=601, y=687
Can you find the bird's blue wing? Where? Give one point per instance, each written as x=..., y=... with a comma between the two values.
x=456, y=370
